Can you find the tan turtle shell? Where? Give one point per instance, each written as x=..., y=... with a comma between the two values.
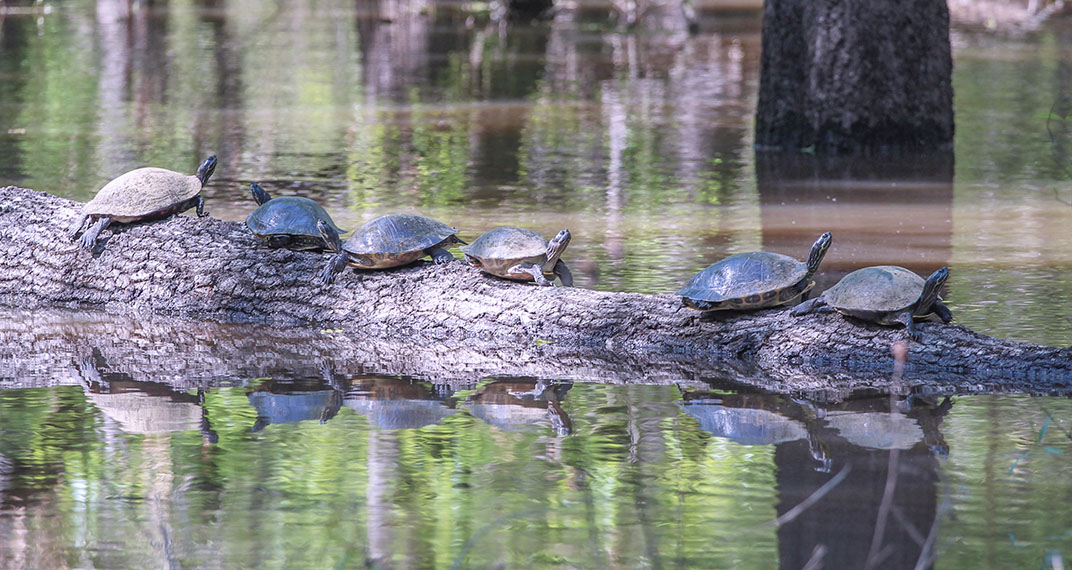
x=142, y=192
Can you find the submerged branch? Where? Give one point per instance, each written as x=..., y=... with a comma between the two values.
x=442, y=323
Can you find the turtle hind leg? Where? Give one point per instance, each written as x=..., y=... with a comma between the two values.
x=336, y=264
x=278, y=241
x=439, y=255
x=532, y=269
x=89, y=239
x=563, y=273
x=77, y=227
x=700, y=305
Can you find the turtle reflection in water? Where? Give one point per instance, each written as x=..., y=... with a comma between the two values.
x=143, y=194
x=516, y=404
x=280, y=403
x=886, y=295
x=521, y=255
x=288, y=221
x=388, y=241
x=753, y=280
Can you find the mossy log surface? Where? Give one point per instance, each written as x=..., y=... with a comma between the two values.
x=193, y=301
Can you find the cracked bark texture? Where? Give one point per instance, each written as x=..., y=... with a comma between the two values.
x=847, y=77
x=446, y=323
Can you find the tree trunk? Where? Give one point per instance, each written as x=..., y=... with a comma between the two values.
x=441, y=323
x=855, y=76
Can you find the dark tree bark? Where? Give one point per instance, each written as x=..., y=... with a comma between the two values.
x=855, y=76
x=439, y=322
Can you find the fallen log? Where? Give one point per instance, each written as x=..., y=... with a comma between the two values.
x=440, y=323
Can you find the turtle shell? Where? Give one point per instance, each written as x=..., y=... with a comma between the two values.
x=289, y=215
x=142, y=192
x=882, y=288
x=744, y=277
x=397, y=239
x=501, y=248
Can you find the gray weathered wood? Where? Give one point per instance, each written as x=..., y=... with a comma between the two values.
x=440, y=323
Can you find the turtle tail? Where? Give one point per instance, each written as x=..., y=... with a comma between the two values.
x=930, y=291
x=206, y=169
x=818, y=250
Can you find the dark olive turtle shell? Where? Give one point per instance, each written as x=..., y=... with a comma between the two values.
x=882, y=288
x=397, y=239
x=504, y=247
x=289, y=215
x=745, y=275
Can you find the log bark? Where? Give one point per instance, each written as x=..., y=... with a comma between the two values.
x=845, y=77
x=446, y=323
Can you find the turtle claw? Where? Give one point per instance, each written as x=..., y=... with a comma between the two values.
x=89, y=239
x=327, y=275
x=440, y=255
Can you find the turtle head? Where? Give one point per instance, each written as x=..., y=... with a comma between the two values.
x=206, y=169
x=818, y=250
x=259, y=194
x=331, y=237
x=556, y=247
x=930, y=291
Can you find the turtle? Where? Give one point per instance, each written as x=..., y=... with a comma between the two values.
x=520, y=254
x=388, y=241
x=884, y=294
x=288, y=221
x=143, y=194
x=753, y=280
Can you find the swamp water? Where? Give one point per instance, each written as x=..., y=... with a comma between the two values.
x=133, y=452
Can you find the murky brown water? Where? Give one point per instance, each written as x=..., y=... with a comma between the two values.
x=640, y=143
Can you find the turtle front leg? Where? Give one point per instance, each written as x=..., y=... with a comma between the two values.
x=336, y=264
x=77, y=227
x=439, y=255
x=89, y=239
x=532, y=269
x=200, y=203
x=942, y=311
x=816, y=305
x=563, y=273
x=905, y=318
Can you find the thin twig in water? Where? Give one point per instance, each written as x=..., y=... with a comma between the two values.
x=928, y=554
x=1053, y=421
x=876, y=553
x=814, y=497
x=873, y=555
x=816, y=562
